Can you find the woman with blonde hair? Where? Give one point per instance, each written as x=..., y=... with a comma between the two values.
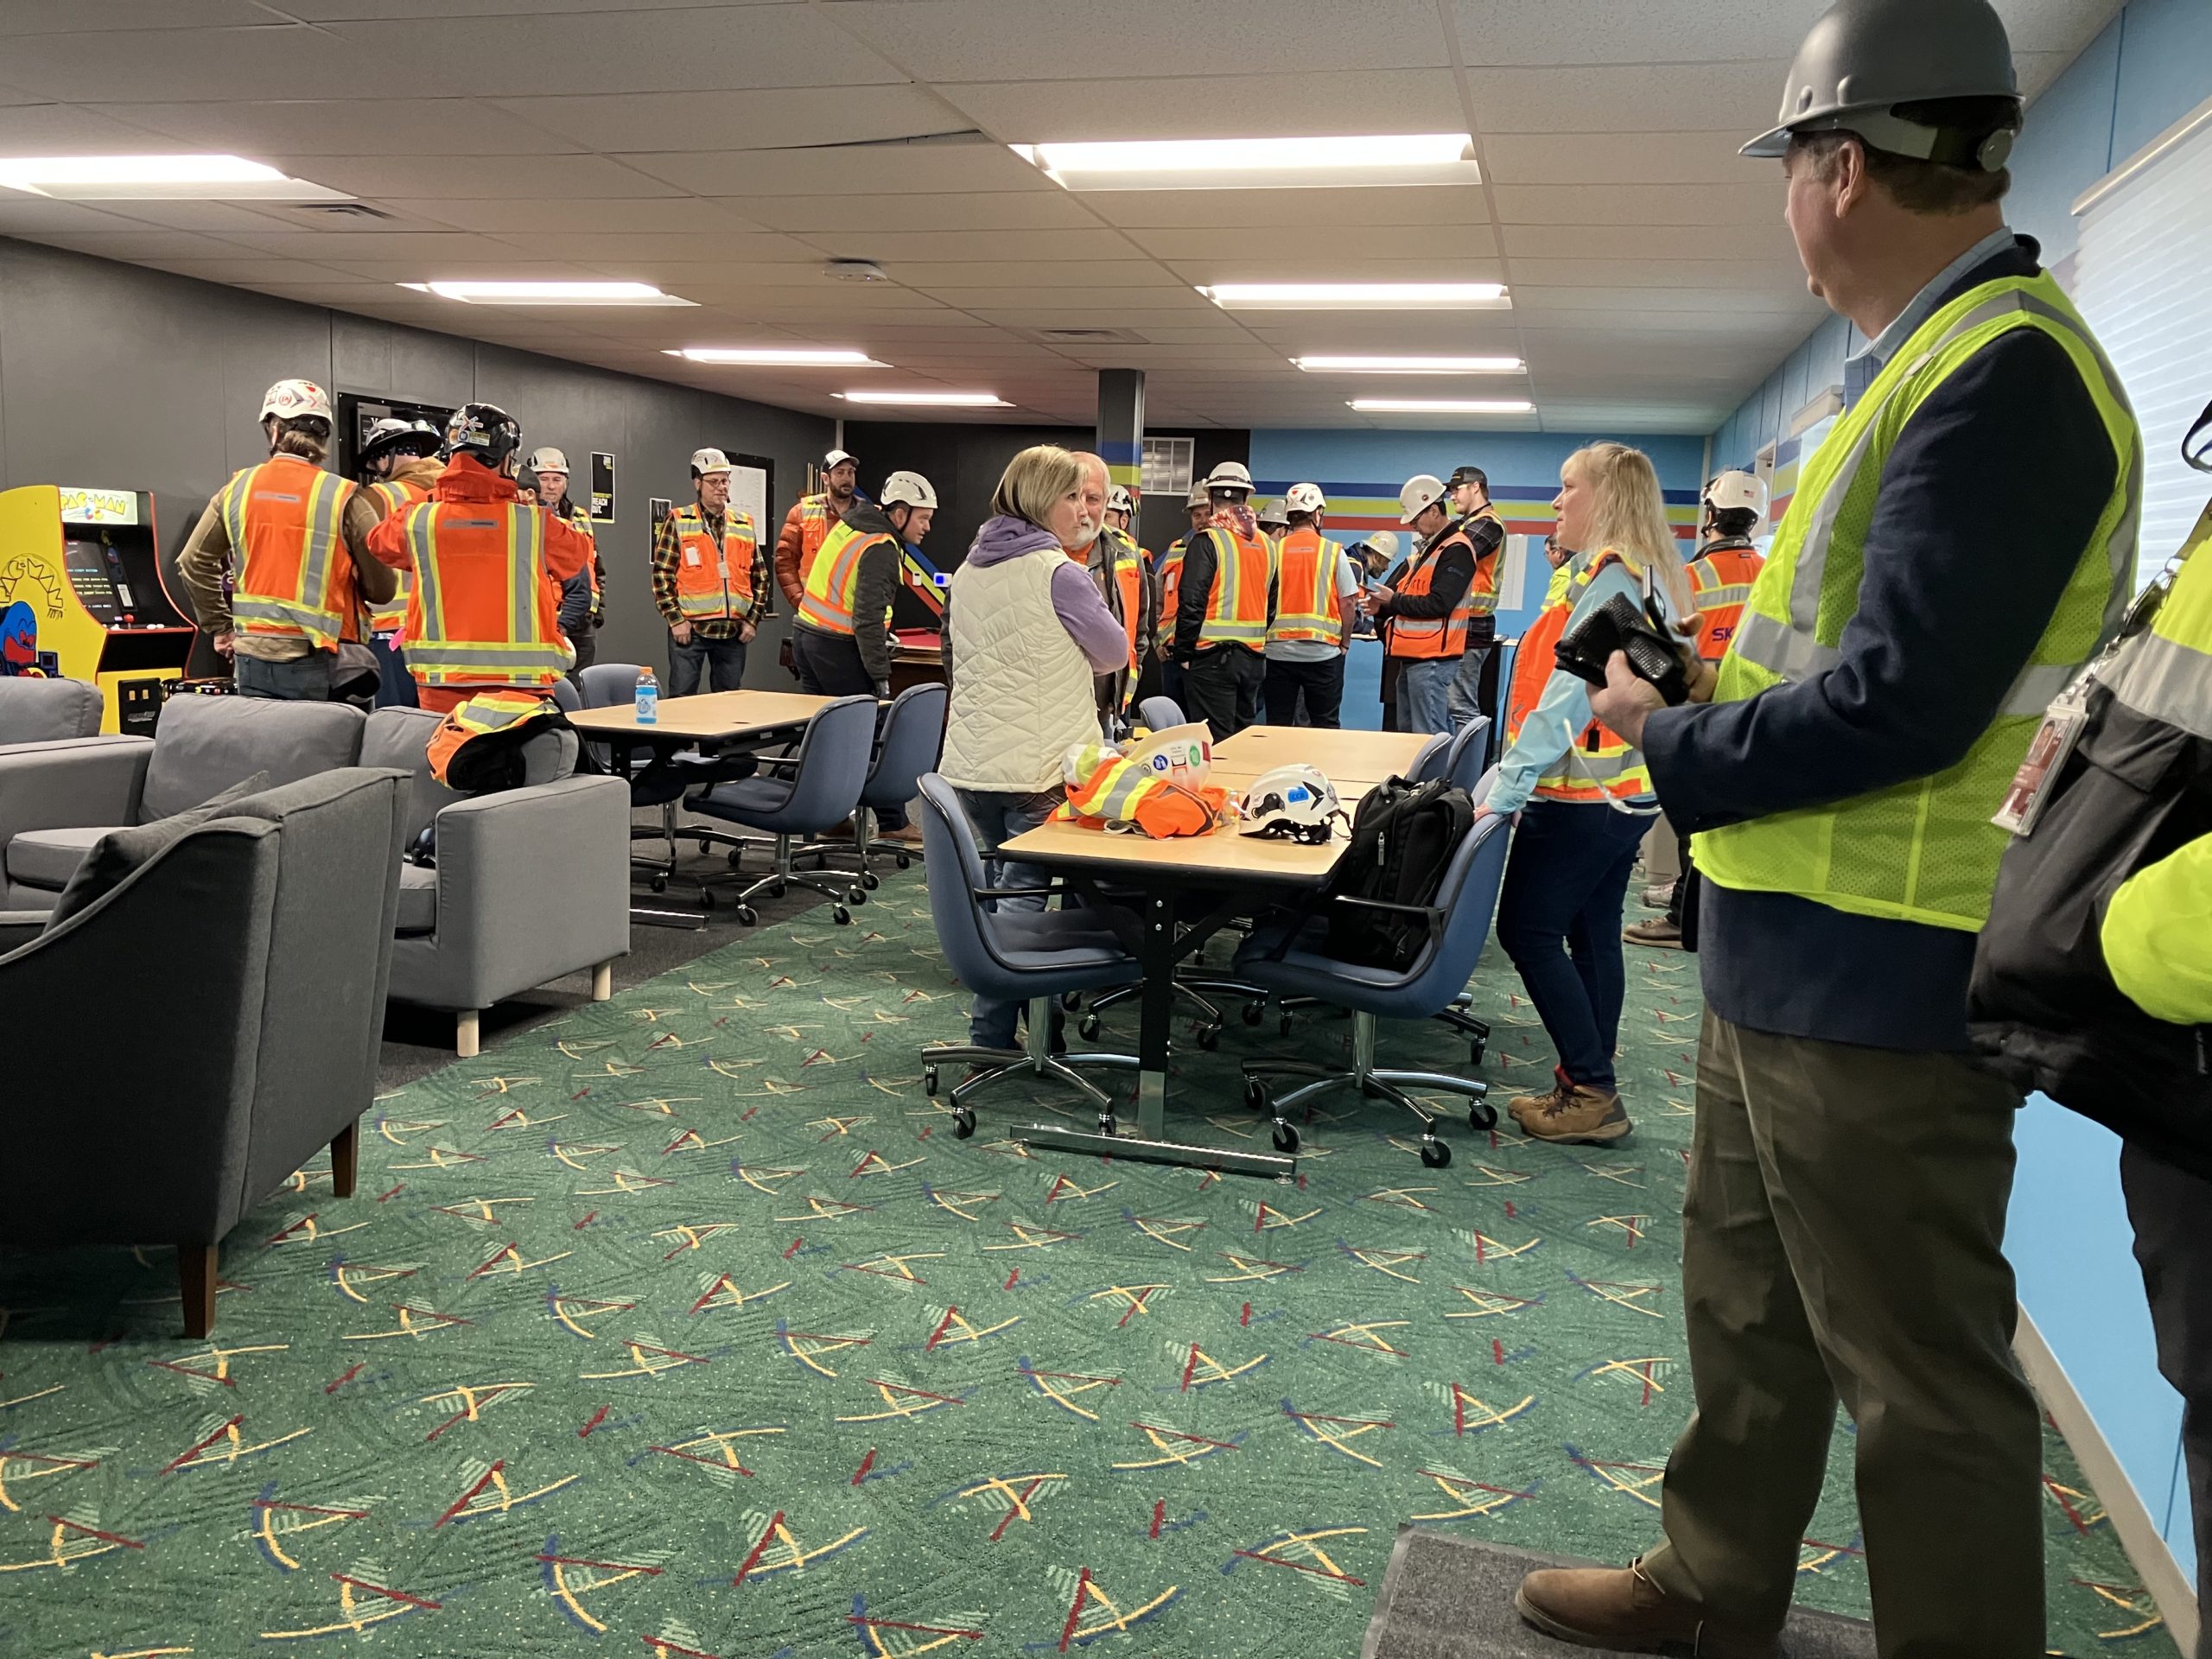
x=1025, y=629
x=1584, y=796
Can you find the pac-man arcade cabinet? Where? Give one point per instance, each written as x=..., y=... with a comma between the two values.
x=81, y=597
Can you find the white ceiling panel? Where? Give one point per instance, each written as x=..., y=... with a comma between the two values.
x=1757, y=275
x=1135, y=271
x=766, y=117
x=1768, y=241
x=1070, y=296
x=1755, y=197
x=346, y=126
x=887, y=248
x=983, y=210
x=145, y=242
x=1301, y=258
x=1368, y=258
x=339, y=11
x=623, y=246
x=927, y=168
x=222, y=65
x=1630, y=98
x=1310, y=211
x=68, y=17
x=1620, y=157
x=1651, y=303
x=671, y=212
x=427, y=178
x=430, y=251
x=1690, y=33
x=68, y=129
x=1202, y=105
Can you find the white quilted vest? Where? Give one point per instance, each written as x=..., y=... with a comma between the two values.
x=1021, y=688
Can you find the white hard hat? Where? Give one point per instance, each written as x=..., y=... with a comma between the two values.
x=1422, y=491
x=836, y=457
x=1198, y=497
x=1737, y=491
x=1296, y=803
x=911, y=489
x=1118, y=499
x=550, y=460
x=1384, y=542
x=295, y=400
x=1305, y=498
x=1272, y=511
x=1230, y=475
x=707, y=462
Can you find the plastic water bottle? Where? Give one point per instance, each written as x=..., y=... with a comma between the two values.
x=648, y=698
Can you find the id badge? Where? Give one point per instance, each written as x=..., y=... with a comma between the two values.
x=2033, y=783
x=692, y=558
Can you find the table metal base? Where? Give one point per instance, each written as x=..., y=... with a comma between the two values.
x=1053, y=1138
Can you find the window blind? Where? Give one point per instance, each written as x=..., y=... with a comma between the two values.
x=2140, y=281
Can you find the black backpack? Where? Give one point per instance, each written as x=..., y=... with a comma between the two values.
x=1402, y=836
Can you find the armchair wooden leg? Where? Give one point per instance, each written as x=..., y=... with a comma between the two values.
x=467, y=1033
x=603, y=982
x=346, y=1160
x=195, y=1272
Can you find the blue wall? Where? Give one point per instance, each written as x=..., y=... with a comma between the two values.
x=2070, y=1238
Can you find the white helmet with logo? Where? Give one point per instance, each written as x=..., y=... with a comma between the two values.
x=1384, y=544
x=1737, y=491
x=295, y=400
x=1305, y=498
x=1273, y=515
x=1422, y=492
x=547, y=459
x=705, y=463
x=1294, y=803
x=1198, y=497
x=908, y=489
x=1118, y=499
x=1230, y=476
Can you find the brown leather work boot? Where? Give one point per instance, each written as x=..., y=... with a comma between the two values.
x=1617, y=1607
x=1579, y=1117
x=1521, y=1105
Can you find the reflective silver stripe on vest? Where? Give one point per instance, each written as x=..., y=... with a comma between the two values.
x=525, y=539
x=322, y=538
x=422, y=538
x=1123, y=791
x=1712, y=599
x=2166, y=680
x=234, y=513
x=486, y=654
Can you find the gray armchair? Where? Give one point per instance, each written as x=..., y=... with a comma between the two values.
x=37, y=711
x=235, y=1073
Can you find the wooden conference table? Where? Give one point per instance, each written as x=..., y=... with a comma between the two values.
x=1239, y=874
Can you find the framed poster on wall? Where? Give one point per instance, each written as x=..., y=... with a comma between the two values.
x=602, y=488
x=752, y=488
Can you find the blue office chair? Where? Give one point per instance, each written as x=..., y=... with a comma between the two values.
x=1157, y=713
x=908, y=746
x=1429, y=764
x=1029, y=955
x=1468, y=755
x=615, y=685
x=1299, y=965
x=821, y=788
x=565, y=694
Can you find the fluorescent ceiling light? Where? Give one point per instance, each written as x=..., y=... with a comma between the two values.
x=153, y=178
x=929, y=399
x=782, y=356
x=472, y=293
x=1358, y=296
x=1411, y=364
x=1443, y=405
x=1258, y=163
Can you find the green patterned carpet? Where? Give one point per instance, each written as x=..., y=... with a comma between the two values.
x=686, y=1326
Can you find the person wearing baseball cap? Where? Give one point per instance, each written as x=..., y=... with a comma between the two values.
x=1949, y=561
x=707, y=582
x=1470, y=504
x=810, y=521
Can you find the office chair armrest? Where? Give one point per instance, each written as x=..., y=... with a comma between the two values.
x=1432, y=914
x=1057, y=890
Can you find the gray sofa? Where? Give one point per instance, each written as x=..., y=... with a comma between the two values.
x=529, y=884
x=36, y=711
x=254, y=1047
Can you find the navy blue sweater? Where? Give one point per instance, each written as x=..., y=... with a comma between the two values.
x=1990, y=494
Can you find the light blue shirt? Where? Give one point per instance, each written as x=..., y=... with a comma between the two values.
x=1862, y=364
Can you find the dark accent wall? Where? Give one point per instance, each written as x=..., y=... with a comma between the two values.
x=963, y=461
x=114, y=374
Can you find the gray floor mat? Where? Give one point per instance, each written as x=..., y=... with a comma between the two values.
x=1446, y=1598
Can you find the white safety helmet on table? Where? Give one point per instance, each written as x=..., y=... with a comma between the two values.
x=1292, y=802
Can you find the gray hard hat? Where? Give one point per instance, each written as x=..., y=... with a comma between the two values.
x=1865, y=57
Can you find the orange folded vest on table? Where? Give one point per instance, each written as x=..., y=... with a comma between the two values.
x=1158, y=788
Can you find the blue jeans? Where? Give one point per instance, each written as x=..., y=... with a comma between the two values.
x=721, y=661
x=1424, y=694
x=1463, y=701
x=999, y=817
x=1559, y=918
x=306, y=680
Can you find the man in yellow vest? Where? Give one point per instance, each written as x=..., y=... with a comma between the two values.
x=841, y=639
x=1317, y=594
x=707, y=582
x=1225, y=597
x=1959, y=544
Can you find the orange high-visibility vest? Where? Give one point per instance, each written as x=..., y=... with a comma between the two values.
x=1129, y=579
x=714, y=580
x=1598, y=764
x=1118, y=789
x=814, y=524
x=453, y=747
x=1170, y=585
x=293, y=577
x=833, y=582
x=1482, y=591
x=1720, y=579
x=483, y=609
x=1237, y=608
x=1424, y=637
x=1306, y=607
x=394, y=495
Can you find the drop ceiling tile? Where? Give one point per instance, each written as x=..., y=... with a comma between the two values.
x=1755, y=197
x=1309, y=212
x=887, y=248
x=1627, y=97
x=1492, y=32
x=68, y=17
x=603, y=214
x=1134, y=271
x=1042, y=313
x=472, y=268
x=430, y=250
x=986, y=302
x=1026, y=111
x=29, y=215
x=69, y=129
x=951, y=40
x=1306, y=258
x=344, y=126
x=762, y=117
x=339, y=11
x=1368, y=262
x=1764, y=276
x=228, y=218
x=1577, y=302
x=686, y=50
x=625, y=247
x=985, y=210
x=428, y=178
x=1621, y=158
x=145, y=242
x=252, y=271
x=223, y=64
x=1767, y=242
x=931, y=169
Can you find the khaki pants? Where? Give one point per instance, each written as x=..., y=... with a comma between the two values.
x=1662, y=854
x=1842, y=1238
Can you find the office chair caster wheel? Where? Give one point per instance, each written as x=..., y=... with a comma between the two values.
x=706, y=900
x=1283, y=1025
x=1286, y=1136
x=1106, y=1123
x=1252, y=1013
x=1070, y=1000
x=735, y=854
x=659, y=884
x=1209, y=1037
x=1435, y=1153
x=929, y=1080
x=705, y=847
x=871, y=882
x=1089, y=1026
x=1255, y=1096
x=1481, y=1118
x=905, y=862
x=963, y=1123
x=1476, y=1049
x=748, y=916
x=839, y=915
x=857, y=896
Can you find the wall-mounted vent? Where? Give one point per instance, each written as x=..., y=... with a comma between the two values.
x=1090, y=337
x=339, y=210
